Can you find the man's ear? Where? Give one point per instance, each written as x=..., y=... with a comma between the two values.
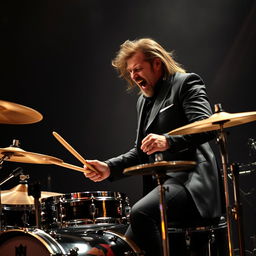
x=157, y=64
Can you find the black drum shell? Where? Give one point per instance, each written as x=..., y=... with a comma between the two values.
x=18, y=216
x=89, y=240
x=82, y=208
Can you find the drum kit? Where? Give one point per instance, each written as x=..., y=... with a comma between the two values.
x=48, y=223
x=93, y=222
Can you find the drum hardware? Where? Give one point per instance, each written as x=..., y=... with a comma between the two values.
x=252, y=147
x=219, y=121
x=34, y=189
x=18, y=206
x=244, y=169
x=17, y=171
x=237, y=208
x=159, y=169
x=12, y=113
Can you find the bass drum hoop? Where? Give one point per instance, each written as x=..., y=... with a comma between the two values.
x=133, y=246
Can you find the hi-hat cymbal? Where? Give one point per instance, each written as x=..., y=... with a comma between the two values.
x=160, y=167
x=16, y=154
x=214, y=122
x=12, y=113
x=19, y=195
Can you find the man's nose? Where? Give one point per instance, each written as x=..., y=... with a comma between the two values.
x=133, y=75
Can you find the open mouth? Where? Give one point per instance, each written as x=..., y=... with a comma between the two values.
x=142, y=83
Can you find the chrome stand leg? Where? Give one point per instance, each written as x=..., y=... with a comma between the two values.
x=164, y=230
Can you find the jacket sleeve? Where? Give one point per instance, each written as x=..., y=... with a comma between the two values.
x=119, y=163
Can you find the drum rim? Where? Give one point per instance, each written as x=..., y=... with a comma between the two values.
x=100, y=195
x=131, y=243
x=96, y=195
x=18, y=206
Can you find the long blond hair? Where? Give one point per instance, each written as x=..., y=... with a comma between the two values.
x=151, y=49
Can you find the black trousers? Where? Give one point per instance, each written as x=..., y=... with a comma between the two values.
x=145, y=219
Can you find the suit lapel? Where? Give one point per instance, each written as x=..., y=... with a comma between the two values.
x=159, y=100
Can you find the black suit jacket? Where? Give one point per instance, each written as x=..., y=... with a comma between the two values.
x=181, y=100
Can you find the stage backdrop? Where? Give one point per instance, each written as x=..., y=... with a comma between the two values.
x=56, y=58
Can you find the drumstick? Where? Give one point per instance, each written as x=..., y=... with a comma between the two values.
x=73, y=151
x=69, y=166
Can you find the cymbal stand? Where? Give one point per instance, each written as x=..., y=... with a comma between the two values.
x=164, y=231
x=35, y=191
x=237, y=209
x=222, y=141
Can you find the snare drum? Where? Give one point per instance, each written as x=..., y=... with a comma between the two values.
x=82, y=208
x=63, y=242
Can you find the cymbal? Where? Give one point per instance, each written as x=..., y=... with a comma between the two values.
x=12, y=113
x=161, y=166
x=214, y=122
x=17, y=154
x=19, y=195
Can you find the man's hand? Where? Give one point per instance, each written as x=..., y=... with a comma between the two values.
x=154, y=143
x=101, y=167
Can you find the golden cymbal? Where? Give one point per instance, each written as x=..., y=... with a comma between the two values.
x=16, y=154
x=12, y=113
x=161, y=166
x=214, y=122
x=19, y=195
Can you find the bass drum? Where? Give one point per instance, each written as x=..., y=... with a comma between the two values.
x=63, y=242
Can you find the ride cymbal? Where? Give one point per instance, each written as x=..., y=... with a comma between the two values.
x=12, y=113
x=19, y=195
x=16, y=154
x=161, y=166
x=215, y=121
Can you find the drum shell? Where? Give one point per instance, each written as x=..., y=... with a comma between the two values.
x=18, y=216
x=93, y=241
x=85, y=208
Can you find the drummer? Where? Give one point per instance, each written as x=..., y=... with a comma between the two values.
x=169, y=98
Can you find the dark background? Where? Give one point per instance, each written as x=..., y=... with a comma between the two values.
x=55, y=57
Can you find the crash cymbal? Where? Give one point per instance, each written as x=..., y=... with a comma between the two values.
x=162, y=167
x=214, y=122
x=19, y=195
x=12, y=113
x=16, y=154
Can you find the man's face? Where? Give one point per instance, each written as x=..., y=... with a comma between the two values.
x=144, y=74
